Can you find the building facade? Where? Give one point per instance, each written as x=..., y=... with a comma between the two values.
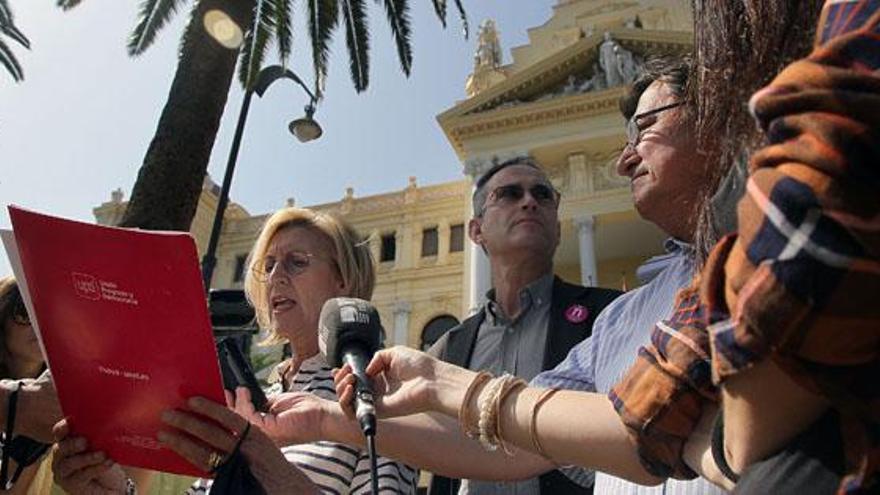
x=557, y=102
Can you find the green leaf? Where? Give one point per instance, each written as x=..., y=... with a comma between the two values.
x=357, y=39
x=398, y=18
x=284, y=29
x=152, y=16
x=440, y=10
x=7, y=59
x=323, y=18
x=465, y=28
x=67, y=4
x=255, y=42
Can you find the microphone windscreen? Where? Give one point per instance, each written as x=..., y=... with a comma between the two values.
x=347, y=323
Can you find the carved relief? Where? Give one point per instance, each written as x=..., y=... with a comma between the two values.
x=604, y=168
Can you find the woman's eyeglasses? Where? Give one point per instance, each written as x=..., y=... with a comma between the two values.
x=634, y=126
x=543, y=194
x=292, y=264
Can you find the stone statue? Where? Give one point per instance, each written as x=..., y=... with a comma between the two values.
x=608, y=61
x=618, y=63
x=488, y=54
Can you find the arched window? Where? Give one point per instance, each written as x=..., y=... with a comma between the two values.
x=435, y=329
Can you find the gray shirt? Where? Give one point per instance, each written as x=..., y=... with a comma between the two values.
x=514, y=346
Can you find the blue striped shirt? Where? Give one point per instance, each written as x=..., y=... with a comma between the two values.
x=599, y=362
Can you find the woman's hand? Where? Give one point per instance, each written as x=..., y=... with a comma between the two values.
x=407, y=382
x=293, y=417
x=220, y=437
x=81, y=472
x=38, y=408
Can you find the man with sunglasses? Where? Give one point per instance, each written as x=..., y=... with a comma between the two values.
x=531, y=318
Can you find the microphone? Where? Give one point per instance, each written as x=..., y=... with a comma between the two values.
x=350, y=333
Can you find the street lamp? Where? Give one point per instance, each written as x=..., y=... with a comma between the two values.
x=305, y=129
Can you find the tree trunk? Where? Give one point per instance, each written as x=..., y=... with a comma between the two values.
x=169, y=182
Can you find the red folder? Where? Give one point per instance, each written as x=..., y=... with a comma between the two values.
x=123, y=321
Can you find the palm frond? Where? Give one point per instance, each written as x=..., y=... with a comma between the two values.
x=67, y=4
x=14, y=33
x=5, y=13
x=8, y=60
x=284, y=29
x=152, y=16
x=398, y=18
x=188, y=31
x=323, y=18
x=357, y=38
x=440, y=10
x=465, y=27
x=255, y=42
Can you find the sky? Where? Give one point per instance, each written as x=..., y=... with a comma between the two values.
x=79, y=124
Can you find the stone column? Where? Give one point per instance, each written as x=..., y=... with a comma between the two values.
x=402, y=310
x=480, y=275
x=587, y=250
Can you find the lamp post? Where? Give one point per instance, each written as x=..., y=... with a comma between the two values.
x=305, y=129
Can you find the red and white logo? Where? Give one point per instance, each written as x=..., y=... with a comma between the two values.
x=576, y=313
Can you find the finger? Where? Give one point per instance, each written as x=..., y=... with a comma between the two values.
x=345, y=401
x=205, y=431
x=71, y=466
x=193, y=452
x=226, y=417
x=344, y=382
x=86, y=475
x=342, y=373
x=381, y=361
x=230, y=399
x=60, y=430
x=72, y=446
x=244, y=401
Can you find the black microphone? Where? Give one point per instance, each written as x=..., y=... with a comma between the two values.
x=350, y=333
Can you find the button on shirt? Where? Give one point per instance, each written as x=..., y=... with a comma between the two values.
x=514, y=346
x=600, y=361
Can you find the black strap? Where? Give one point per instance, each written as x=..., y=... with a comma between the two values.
x=718, y=449
x=7, y=437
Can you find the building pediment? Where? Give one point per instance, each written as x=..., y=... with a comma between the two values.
x=565, y=85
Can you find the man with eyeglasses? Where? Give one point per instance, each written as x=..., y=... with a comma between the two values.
x=531, y=318
x=668, y=178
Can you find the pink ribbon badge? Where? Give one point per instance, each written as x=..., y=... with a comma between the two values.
x=576, y=313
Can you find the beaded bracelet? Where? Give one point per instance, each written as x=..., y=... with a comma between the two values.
x=486, y=425
x=470, y=429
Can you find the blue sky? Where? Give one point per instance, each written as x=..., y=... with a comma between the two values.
x=80, y=123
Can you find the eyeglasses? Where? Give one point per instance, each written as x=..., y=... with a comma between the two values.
x=634, y=126
x=292, y=264
x=543, y=194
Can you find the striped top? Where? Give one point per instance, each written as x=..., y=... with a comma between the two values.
x=597, y=363
x=337, y=468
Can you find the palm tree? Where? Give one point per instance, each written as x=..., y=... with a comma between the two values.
x=7, y=27
x=167, y=189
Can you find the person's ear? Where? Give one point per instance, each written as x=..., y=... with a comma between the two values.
x=475, y=230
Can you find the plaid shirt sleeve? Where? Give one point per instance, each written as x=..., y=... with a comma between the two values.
x=799, y=281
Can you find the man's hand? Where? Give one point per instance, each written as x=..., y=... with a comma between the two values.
x=38, y=409
x=81, y=472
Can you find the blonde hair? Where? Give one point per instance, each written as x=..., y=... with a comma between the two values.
x=351, y=255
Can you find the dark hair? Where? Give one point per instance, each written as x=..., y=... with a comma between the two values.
x=739, y=46
x=479, y=197
x=11, y=306
x=674, y=71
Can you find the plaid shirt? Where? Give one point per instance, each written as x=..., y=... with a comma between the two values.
x=799, y=282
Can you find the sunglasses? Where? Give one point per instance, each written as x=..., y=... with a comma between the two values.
x=634, y=126
x=292, y=264
x=543, y=194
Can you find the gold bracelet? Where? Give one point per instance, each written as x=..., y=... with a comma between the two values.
x=506, y=390
x=464, y=418
x=533, y=423
x=486, y=425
